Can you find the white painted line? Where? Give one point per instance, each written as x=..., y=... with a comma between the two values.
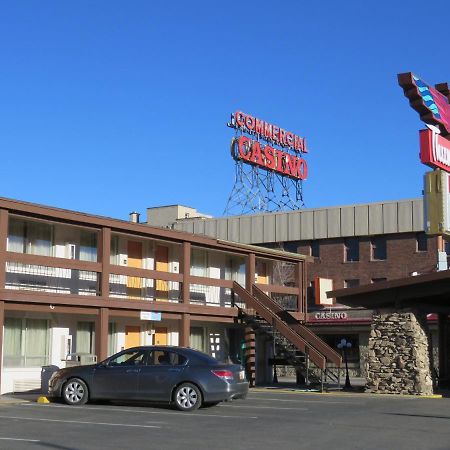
x=304, y=401
x=264, y=407
x=81, y=422
x=17, y=439
x=171, y=413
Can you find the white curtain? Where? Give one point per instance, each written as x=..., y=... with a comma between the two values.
x=85, y=337
x=40, y=237
x=88, y=246
x=12, y=343
x=36, y=342
x=16, y=236
x=197, y=339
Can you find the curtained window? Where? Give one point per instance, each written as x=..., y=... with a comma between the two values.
x=35, y=238
x=85, y=342
x=112, y=339
x=88, y=246
x=26, y=342
x=197, y=339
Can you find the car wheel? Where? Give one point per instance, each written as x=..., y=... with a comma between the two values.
x=187, y=397
x=75, y=392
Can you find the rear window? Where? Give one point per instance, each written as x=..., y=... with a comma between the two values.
x=163, y=357
x=201, y=358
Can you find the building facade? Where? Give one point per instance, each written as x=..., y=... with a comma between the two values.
x=76, y=283
x=352, y=245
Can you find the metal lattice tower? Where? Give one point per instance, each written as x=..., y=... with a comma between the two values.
x=258, y=190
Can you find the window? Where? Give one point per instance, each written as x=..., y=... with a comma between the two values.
x=197, y=339
x=351, y=246
x=351, y=283
x=290, y=246
x=35, y=238
x=377, y=280
x=128, y=358
x=315, y=249
x=378, y=246
x=26, y=343
x=112, y=338
x=199, y=263
x=164, y=358
x=114, y=256
x=85, y=342
x=422, y=243
x=88, y=246
x=235, y=270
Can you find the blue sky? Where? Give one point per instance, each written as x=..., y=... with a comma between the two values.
x=111, y=106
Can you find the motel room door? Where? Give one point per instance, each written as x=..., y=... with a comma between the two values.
x=134, y=284
x=132, y=336
x=162, y=265
x=160, y=336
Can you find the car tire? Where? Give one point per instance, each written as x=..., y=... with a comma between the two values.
x=187, y=397
x=75, y=392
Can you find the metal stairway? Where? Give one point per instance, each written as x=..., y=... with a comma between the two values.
x=294, y=342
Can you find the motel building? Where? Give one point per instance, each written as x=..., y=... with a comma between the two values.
x=78, y=287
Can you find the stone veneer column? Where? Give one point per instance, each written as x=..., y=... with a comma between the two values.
x=398, y=360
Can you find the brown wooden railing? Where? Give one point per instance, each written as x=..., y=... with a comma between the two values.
x=304, y=332
x=272, y=318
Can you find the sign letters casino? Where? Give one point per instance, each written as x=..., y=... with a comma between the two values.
x=285, y=160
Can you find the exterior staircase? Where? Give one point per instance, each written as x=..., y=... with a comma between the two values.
x=312, y=358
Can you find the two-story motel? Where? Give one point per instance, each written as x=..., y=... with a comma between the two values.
x=72, y=282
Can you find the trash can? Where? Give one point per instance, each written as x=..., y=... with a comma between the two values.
x=46, y=373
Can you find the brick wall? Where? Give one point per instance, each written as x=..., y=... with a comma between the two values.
x=402, y=259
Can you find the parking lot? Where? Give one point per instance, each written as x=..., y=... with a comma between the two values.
x=268, y=419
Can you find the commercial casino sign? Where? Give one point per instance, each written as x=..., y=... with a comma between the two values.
x=281, y=150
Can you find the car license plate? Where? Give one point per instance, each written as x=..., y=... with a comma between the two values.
x=242, y=375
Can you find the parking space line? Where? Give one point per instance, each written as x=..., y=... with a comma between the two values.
x=171, y=413
x=81, y=422
x=304, y=401
x=263, y=407
x=18, y=439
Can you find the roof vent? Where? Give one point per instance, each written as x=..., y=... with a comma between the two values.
x=134, y=217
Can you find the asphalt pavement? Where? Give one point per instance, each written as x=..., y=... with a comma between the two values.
x=270, y=418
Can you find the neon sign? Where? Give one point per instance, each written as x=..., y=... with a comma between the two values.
x=286, y=162
x=431, y=103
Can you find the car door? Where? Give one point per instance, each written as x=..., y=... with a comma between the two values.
x=118, y=377
x=162, y=372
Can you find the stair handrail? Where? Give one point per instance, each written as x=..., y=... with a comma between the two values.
x=269, y=316
x=303, y=331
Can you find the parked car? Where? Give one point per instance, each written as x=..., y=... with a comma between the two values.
x=180, y=376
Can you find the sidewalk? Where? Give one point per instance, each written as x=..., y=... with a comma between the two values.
x=16, y=398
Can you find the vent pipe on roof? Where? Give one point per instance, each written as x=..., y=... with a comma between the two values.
x=134, y=217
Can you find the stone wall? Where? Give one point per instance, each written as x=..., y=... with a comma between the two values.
x=398, y=361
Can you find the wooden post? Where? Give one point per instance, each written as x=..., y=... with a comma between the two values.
x=250, y=355
x=101, y=334
x=186, y=271
x=185, y=330
x=105, y=253
x=250, y=272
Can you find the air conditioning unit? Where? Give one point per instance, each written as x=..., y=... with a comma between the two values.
x=71, y=251
x=66, y=346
